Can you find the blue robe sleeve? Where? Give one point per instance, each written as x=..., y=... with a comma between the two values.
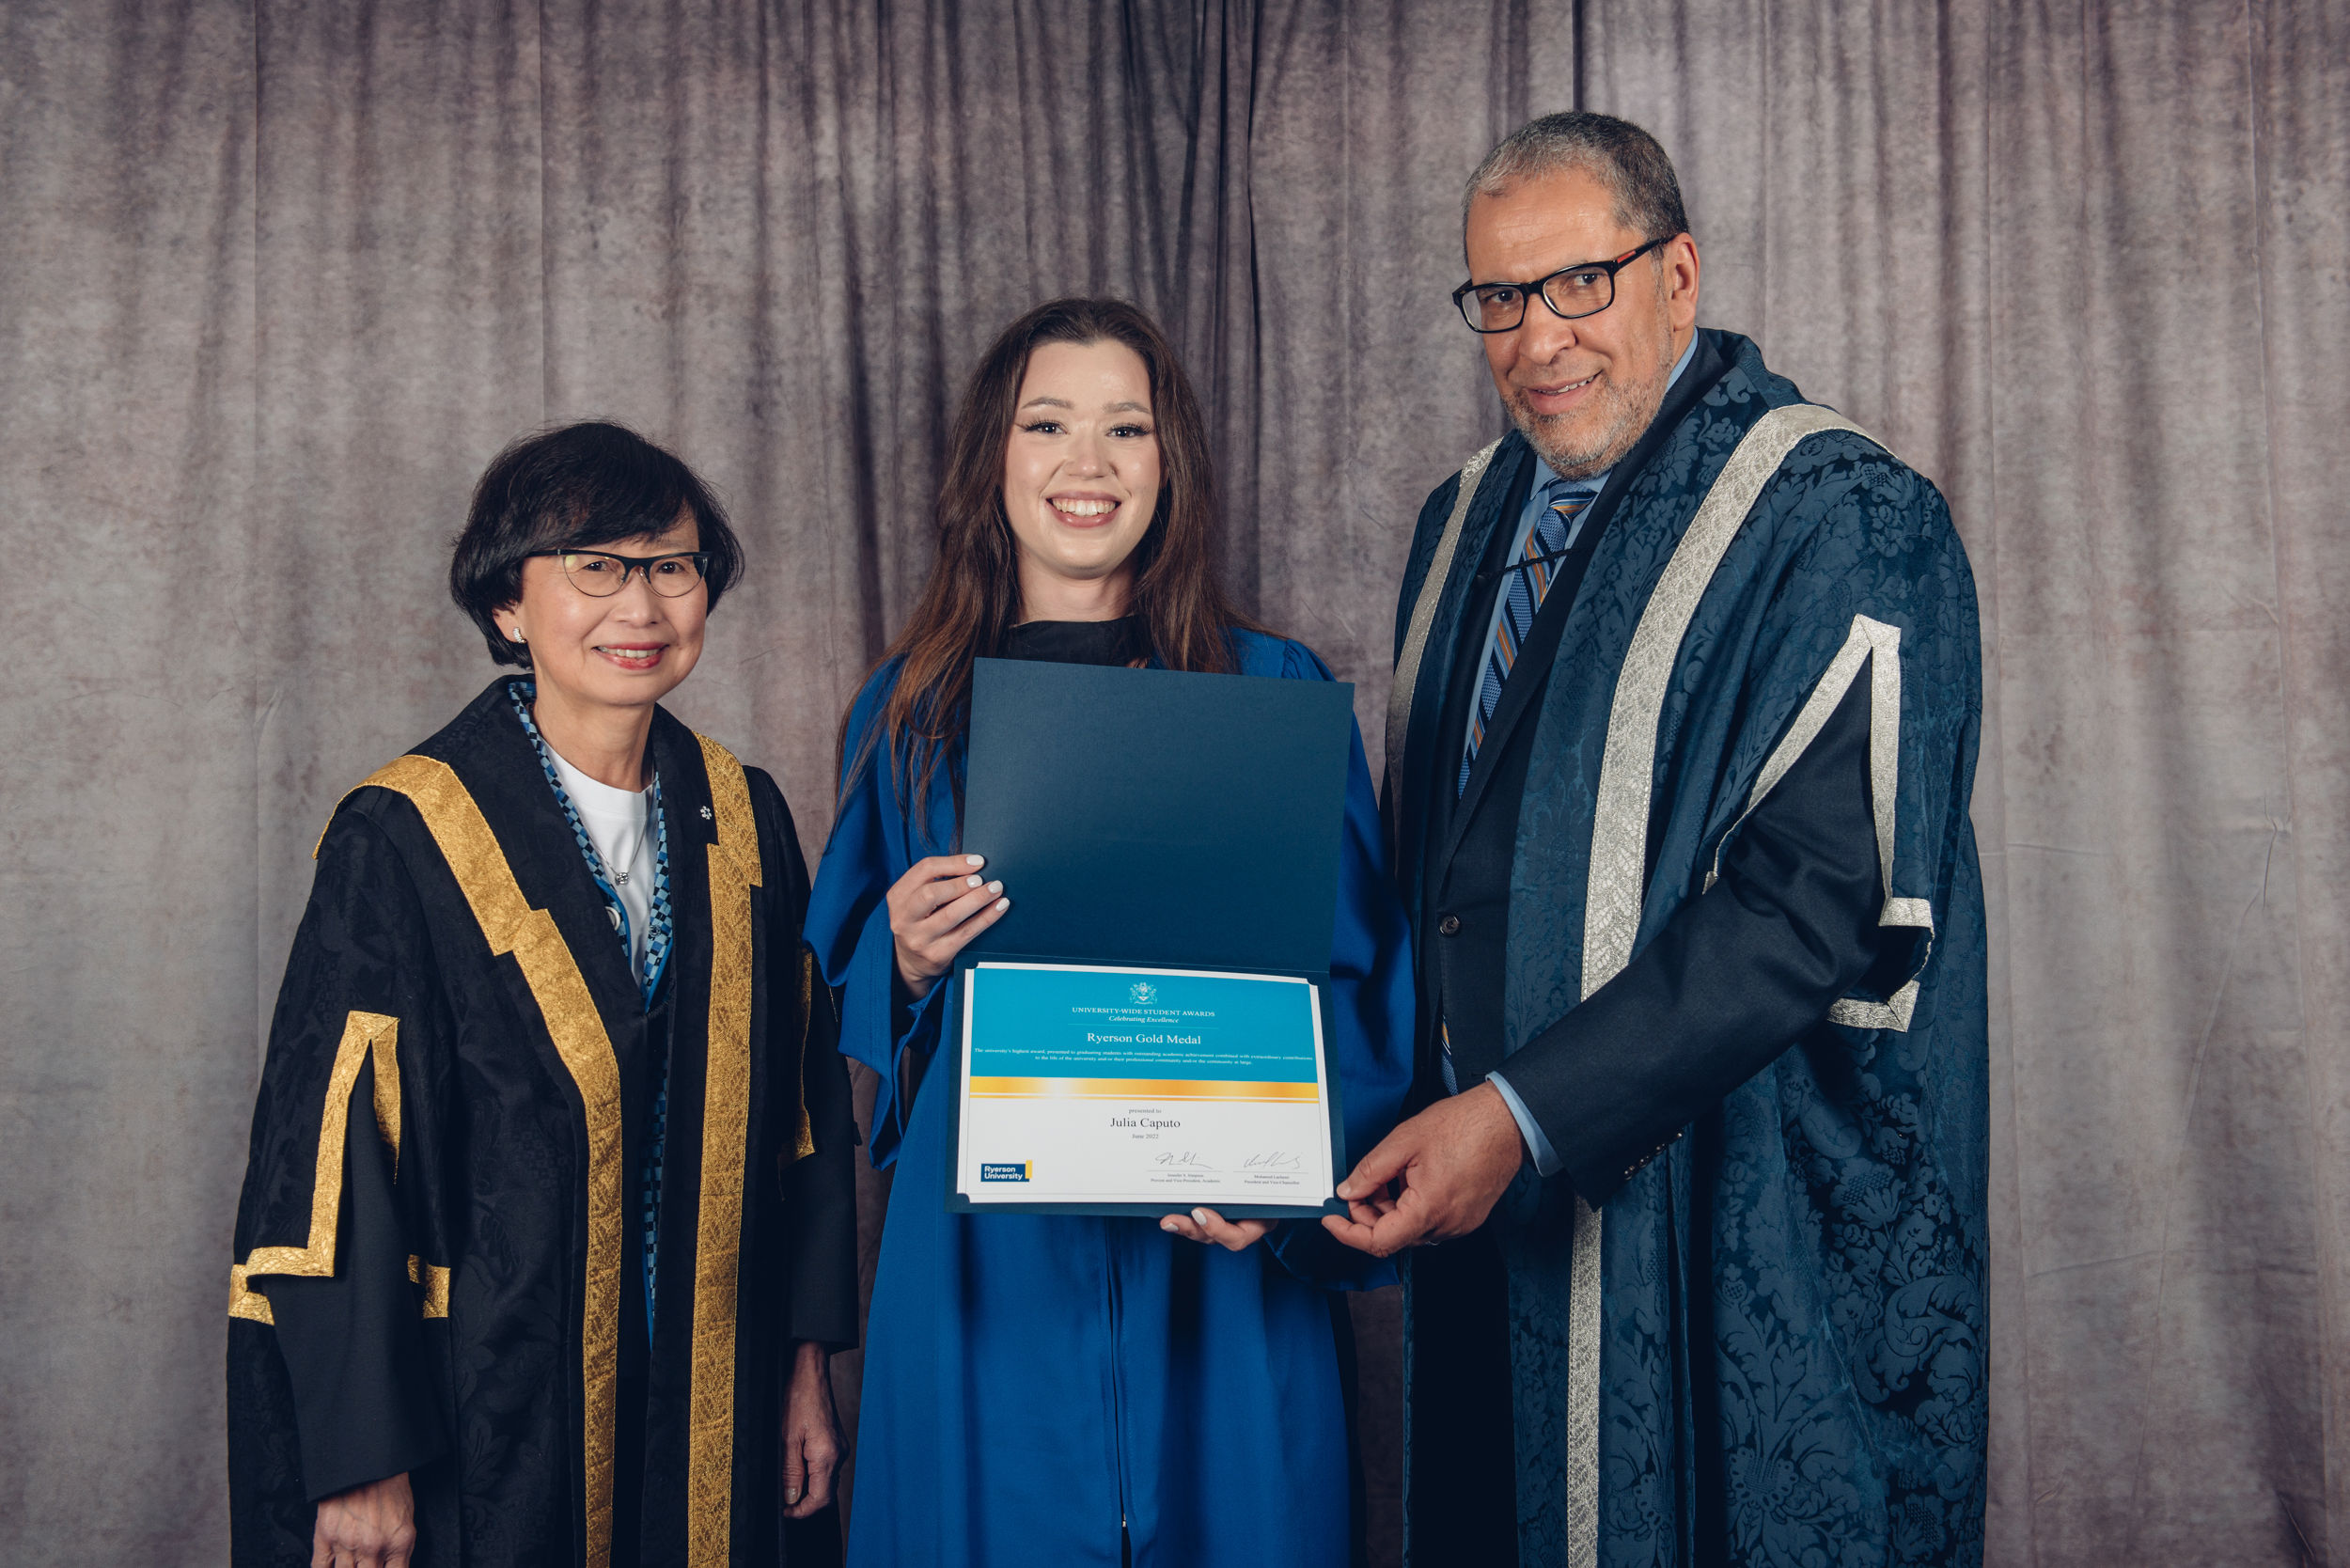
x=848, y=926
x=1371, y=996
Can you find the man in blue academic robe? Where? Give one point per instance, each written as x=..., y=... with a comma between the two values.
x=1687, y=703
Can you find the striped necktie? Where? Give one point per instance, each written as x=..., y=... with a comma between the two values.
x=1555, y=529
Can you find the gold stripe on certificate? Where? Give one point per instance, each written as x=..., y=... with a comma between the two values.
x=1139, y=1089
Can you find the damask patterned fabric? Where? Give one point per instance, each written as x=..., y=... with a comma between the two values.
x=1793, y=1334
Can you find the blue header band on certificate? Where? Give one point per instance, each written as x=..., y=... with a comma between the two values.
x=1163, y=1027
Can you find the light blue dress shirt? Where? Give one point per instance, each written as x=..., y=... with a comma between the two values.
x=1538, y=1148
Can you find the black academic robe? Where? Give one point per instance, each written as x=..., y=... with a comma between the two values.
x=440, y=1252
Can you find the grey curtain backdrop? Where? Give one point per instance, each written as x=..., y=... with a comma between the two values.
x=277, y=278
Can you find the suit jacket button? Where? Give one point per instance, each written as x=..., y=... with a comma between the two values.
x=1449, y=925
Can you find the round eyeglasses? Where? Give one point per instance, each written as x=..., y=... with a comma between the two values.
x=1573, y=292
x=599, y=574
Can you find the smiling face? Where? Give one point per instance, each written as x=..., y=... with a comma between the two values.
x=1582, y=391
x=627, y=650
x=1081, y=474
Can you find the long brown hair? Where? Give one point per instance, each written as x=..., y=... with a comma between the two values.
x=972, y=599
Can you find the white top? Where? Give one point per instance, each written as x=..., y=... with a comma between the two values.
x=617, y=823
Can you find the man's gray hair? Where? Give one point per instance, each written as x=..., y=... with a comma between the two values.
x=1622, y=156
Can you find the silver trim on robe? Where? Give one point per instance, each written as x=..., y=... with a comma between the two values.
x=1616, y=890
x=1880, y=646
x=1424, y=616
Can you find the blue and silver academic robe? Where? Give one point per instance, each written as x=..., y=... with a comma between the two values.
x=1767, y=1341
x=1036, y=1384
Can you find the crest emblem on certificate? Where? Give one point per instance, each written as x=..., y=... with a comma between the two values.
x=1143, y=992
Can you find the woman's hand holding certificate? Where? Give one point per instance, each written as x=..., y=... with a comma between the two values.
x=937, y=906
x=1206, y=1225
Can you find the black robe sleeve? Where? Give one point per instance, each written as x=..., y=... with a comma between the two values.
x=353, y=1344
x=352, y=1340
x=1732, y=978
x=818, y=1188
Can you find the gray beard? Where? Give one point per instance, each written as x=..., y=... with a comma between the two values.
x=1566, y=464
x=1575, y=465
x=1619, y=441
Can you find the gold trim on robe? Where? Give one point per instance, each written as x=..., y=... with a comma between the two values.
x=362, y=1034
x=576, y=1028
x=386, y=1049
x=804, y=1140
x=434, y=1279
x=725, y=1160
x=250, y=1304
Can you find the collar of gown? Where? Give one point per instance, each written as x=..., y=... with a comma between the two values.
x=1079, y=642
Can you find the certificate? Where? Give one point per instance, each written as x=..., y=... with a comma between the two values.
x=1096, y=1087
x=1148, y=1027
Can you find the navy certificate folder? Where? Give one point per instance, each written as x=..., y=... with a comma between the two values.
x=1154, y=818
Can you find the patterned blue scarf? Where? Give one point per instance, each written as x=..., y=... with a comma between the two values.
x=657, y=941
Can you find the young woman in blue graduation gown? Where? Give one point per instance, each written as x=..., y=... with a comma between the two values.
x=1062, y=1390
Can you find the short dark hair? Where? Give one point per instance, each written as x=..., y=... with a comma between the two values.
x=576, y=486
x=1625, y=158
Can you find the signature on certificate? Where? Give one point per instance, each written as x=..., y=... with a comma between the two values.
x=1186, y=1157
x=1274, y=1159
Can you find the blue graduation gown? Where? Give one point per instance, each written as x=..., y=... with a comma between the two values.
x=1035, y=1383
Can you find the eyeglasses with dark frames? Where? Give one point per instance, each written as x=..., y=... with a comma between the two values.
x=599, y=574
x=1573, y=292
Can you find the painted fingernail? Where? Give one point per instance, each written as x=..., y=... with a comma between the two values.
x=1200, y=1216
x=1002, y=904
x=1166, y=1224
x=972, y=882
x=976, y=859
x=995, y=887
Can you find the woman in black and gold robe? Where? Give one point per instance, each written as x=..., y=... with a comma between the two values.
x=548, y=1226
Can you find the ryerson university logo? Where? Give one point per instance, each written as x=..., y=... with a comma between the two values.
x=1022, y=1171
x=1143, y=992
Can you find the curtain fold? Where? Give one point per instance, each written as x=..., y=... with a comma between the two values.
x=127, y=769
x=2298, y=125
x=2050, y=255
x=277, y=277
